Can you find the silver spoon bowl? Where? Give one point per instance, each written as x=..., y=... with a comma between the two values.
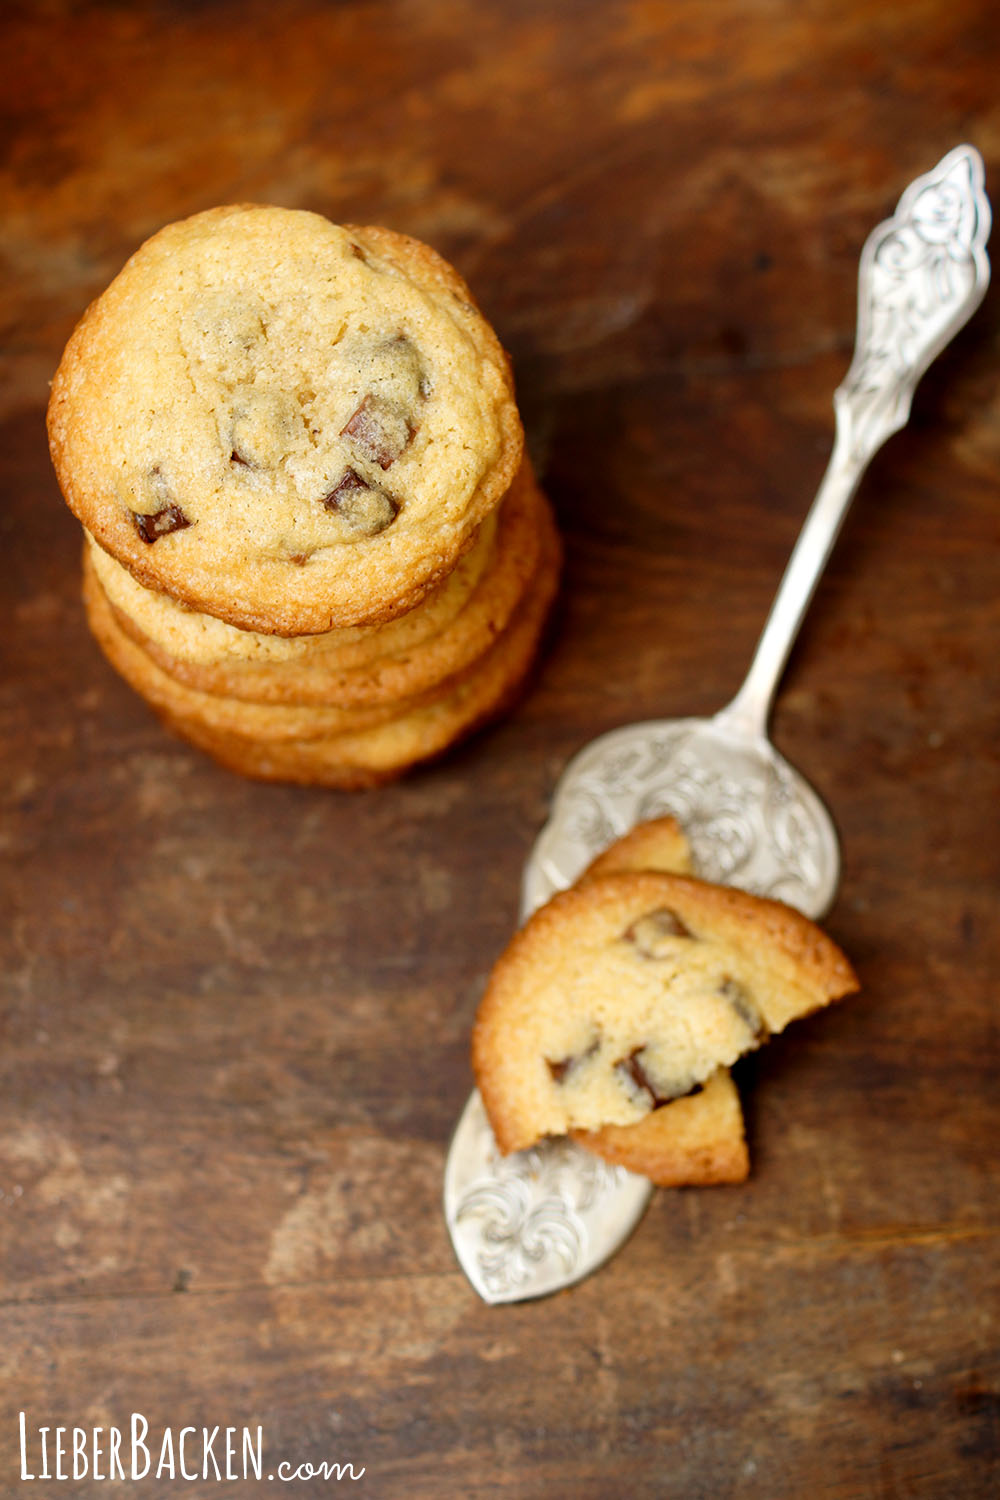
x=531, y=1223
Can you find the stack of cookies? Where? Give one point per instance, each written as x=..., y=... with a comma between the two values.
x=313, y=541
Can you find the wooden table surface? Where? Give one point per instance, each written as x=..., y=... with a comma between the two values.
x=236, y=1017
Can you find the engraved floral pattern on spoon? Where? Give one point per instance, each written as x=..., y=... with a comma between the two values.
x=530, y=1208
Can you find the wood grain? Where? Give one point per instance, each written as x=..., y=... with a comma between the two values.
x=235, y=1018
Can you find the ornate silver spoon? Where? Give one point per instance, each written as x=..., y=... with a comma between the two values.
x=531, y=1223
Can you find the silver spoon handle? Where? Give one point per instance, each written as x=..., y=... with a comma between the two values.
x=922, y=275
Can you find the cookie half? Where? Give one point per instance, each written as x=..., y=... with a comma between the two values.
x=631, y=990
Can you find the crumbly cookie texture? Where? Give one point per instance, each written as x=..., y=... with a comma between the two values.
x=290, y=425
x=630, y=990
x=695, y=1141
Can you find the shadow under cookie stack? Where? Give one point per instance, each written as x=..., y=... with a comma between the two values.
x=313, y=542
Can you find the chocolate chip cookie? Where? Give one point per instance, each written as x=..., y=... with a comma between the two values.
x=287, y=424
x=631, y=990
x=411, y=655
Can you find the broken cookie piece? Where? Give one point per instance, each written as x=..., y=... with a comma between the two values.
x=641, y=1077
x=694, y=1141
x=616, y=959
x=263, y=428
x=257, y=353
x=656, y=844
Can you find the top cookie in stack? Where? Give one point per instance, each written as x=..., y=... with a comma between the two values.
x=284, y=423
x=296, y=429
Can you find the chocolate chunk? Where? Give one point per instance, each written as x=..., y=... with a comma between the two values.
x=651, y=933
x=739, y=997
x=364, y=508
x=379, y=430
x=160, y=523
x=559, y=1067
x=237, y=458
x=659, y=1093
